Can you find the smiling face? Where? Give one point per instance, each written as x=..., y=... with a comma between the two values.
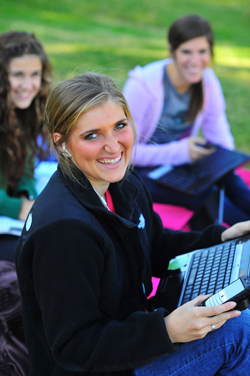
x=101, y=144
x=25, y=75
x=190, y=60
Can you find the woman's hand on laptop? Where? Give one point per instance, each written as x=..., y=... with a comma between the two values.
x=235, y=231
x=197, y=149
x=191, y=321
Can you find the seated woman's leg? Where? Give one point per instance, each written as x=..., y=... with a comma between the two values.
x=163, y=195
x=238, y=206
x=233, y=214
x=225, y=351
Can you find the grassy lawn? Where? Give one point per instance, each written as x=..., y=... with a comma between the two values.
x=113, y=36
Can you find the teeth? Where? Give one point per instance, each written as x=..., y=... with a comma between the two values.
x=194, y=70
x=24, y=95
x=110, y=161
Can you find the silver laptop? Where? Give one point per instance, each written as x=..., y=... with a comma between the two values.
x=207, y=271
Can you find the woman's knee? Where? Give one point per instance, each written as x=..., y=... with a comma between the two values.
x=237, y=328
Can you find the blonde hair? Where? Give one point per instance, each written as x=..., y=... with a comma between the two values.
x=74, y=97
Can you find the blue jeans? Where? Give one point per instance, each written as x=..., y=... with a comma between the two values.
x=225, y=351
x=236, y=204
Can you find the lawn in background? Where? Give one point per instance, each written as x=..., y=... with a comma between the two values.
x=113, y=36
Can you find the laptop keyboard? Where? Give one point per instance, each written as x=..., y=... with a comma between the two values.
x=210, y=272
x=193, y=178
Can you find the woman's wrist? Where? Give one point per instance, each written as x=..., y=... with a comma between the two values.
x=25, y=208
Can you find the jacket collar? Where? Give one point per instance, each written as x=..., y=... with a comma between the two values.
x=124, y=193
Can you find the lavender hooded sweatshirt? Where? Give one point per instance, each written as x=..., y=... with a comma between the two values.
x=144, y=92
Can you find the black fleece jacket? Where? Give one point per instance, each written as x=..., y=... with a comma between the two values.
x=85, y=274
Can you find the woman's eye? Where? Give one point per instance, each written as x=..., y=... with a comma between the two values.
x=17, y=74
x=37, y=74
x=91, y=136
x=121, y=125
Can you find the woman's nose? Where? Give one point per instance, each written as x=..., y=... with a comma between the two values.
x=195, y=59
x=27, y=83
x=111, y=144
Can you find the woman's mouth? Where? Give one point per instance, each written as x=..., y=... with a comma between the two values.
x=110, y=161
x=23, y=96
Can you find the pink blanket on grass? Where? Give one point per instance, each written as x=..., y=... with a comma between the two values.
x=177, y=217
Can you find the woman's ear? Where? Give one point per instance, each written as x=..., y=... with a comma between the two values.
x=170, y=49
x=62, y=146
x=56, y=137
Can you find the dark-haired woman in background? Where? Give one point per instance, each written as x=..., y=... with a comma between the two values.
x=24, y=87
x=171, y=101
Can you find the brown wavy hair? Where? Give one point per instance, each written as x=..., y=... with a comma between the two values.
x=183, y=29
x=19, y=129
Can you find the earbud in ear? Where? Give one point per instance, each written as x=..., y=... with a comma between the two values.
x=64, y=147
x=66, y=152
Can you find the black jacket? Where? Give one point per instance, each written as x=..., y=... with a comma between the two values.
x=85, y=274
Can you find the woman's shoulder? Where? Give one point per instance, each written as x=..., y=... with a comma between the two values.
x=144, y=80
x=56, y=208
x=212, y=85
x=209, y=76
x=148, y=71
x=54, y=200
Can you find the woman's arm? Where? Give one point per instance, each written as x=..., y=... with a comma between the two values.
x=190, y=321
x=69, y=274
x=235, y=231
x=174, y=153
x=215, y=126
x=25, y=208
x=169, y=243
x=14, y=207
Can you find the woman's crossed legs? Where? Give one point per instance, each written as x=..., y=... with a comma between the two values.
x=225, y=351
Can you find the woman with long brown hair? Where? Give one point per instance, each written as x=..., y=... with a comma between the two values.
x=24, y=87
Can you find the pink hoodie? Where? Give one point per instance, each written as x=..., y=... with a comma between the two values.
x=144, y=93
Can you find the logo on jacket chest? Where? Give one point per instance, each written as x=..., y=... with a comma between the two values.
x=28, y=222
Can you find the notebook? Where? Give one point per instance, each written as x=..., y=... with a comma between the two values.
x=10, y=226
x=194, y=179
x=207, y=271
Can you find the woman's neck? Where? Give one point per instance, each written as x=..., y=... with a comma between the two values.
x=102, y=196
x=100, y=189
x=176, y=80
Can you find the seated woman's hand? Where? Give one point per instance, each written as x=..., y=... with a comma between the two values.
x=191, y=321
x=198, y=152
x=235, y=231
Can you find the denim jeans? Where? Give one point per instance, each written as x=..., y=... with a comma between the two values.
x=236, y=204
x=225, y=351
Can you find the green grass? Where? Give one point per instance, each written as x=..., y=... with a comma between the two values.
x=113, y=36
